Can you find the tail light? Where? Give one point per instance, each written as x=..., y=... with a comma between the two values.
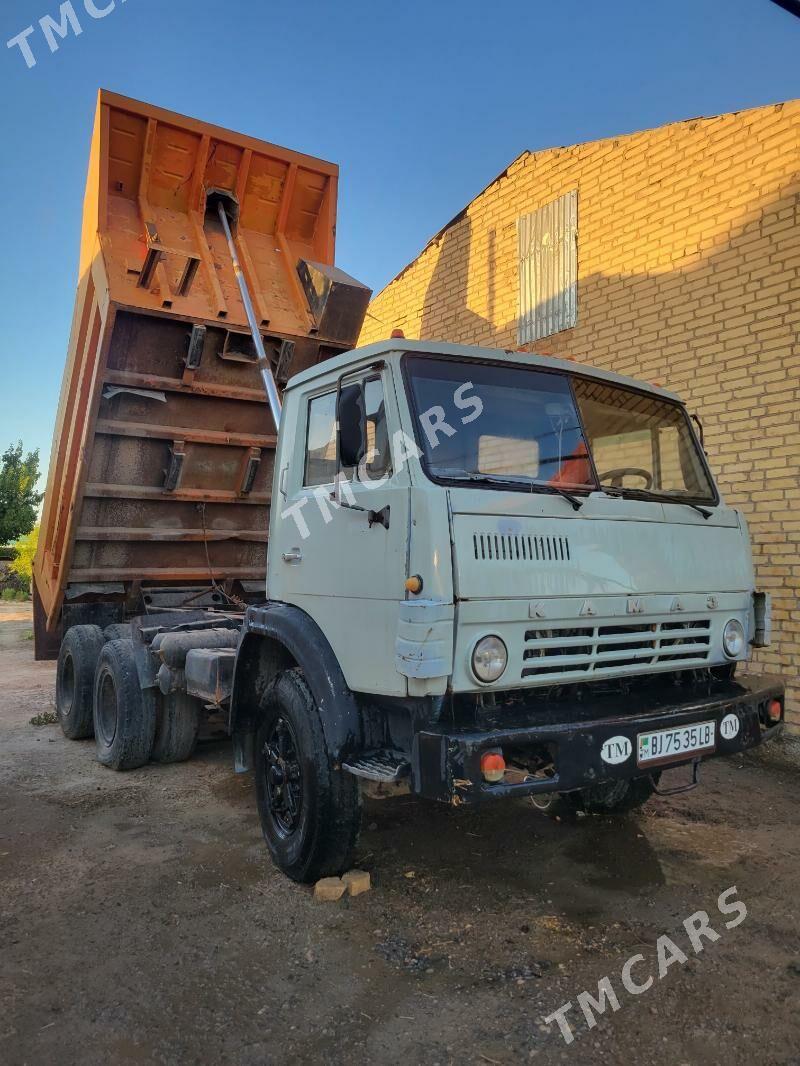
x=493, y=766
x=774, y=710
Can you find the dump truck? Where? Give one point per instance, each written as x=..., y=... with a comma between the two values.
x=489, y=574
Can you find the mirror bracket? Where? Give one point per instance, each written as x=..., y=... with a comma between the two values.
x=379, y=518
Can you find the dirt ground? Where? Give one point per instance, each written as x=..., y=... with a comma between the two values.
x=141, y=920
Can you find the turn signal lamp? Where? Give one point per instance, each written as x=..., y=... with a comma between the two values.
x=493, y=766
x=414, y=584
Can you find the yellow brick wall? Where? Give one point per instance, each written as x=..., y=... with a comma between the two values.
x=688, y=274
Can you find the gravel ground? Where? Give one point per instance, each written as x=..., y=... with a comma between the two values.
x=141, y=920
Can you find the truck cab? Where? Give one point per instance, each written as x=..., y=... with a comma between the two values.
x=492, y=573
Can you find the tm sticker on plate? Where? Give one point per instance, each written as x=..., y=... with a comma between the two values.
x=675, y=743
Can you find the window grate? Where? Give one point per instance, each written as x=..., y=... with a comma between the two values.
x=548, y=269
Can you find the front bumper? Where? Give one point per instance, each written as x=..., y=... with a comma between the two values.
x=445, y=764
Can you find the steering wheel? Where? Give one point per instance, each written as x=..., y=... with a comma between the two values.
x=616, y=476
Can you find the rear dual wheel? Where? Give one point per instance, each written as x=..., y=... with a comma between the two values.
x=133, y=725
x=177, y=726
x=98, y=693
x=118, y=631
x=124, y=717
x=77, y=660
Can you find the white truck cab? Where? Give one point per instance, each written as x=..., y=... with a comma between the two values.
x=560, y=518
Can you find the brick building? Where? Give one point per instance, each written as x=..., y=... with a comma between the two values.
x=672, y=255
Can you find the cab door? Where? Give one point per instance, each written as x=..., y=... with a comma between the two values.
x=340, y=553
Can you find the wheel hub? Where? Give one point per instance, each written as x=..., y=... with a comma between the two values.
x=106, y=718
x=283, y=776
x=67, y=688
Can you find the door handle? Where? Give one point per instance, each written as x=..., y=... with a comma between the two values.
x=294, y=555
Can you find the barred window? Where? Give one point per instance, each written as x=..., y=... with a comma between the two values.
x=548, y=269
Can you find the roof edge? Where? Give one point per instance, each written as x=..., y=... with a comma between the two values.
x=534, y=153
x=360, y=358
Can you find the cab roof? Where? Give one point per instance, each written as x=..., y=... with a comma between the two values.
x=359, y=357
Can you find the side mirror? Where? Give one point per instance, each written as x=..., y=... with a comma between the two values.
x=352, y=427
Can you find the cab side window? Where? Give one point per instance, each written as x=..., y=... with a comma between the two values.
x=320, y=467
x=378, y=451
x=362, y=414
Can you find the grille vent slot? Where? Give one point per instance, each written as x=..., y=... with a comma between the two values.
x=596, y=650
x=519, y=547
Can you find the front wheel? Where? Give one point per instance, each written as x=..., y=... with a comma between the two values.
x=310, y=812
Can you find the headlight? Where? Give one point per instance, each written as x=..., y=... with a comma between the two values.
x=733, y=639
x=489, y=659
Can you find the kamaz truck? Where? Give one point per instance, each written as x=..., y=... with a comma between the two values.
x=489, y=574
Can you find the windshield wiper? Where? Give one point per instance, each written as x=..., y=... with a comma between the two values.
x=656, y=497
x=501, y=479
x=576, y=503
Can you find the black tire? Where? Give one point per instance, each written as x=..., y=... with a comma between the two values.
x=610, y=797
x=77, y=660
x=295, y=773
x=557, y=804
x=124, y=721
x=118, y=631
x=177, y=725
x=618, y=797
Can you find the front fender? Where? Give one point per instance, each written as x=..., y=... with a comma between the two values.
x=276, y=637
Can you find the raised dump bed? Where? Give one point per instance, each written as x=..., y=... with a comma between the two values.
x=161, y=469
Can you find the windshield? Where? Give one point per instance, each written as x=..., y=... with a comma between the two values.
x=641, y=443
x=518, y=425
x=501, y=421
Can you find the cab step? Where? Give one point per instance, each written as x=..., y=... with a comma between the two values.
x=380, y=765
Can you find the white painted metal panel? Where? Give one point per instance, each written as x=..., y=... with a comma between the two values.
x=548, y=269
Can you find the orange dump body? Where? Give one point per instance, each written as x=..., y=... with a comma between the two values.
x=161, y=467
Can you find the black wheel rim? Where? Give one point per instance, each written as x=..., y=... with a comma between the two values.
x=66, y=687
x=283, y=778
x=106, y=723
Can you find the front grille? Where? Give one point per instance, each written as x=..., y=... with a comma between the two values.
x=595, y=650
x=518, y=547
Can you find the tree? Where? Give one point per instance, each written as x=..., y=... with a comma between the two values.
x=26, y=549
x=19, y=500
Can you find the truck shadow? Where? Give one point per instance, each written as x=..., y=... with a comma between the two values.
x=511, y=849
x=508, y=847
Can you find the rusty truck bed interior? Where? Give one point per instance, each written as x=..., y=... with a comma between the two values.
x=161, y=468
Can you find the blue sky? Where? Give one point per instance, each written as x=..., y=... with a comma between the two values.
x=421, y=104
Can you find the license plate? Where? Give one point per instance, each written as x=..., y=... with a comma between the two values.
x=681, y=742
